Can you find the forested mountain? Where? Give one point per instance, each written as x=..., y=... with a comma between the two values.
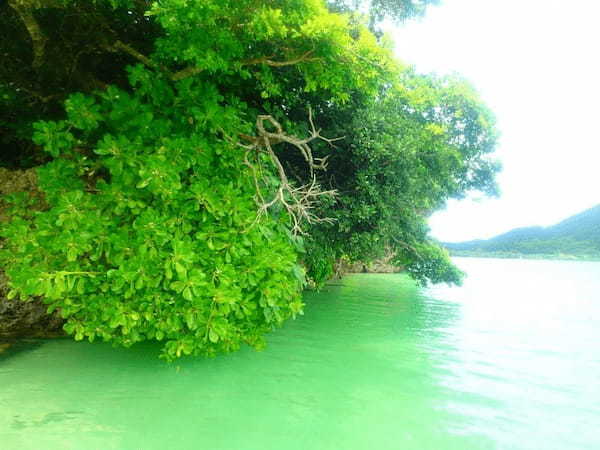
x=577, y=236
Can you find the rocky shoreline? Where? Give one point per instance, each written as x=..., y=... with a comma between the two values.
x=26, y=319
x=382, y=265
x=22, y=319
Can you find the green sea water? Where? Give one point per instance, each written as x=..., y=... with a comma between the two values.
x=510, y=360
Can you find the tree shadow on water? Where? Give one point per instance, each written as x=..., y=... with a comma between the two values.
x=9, y=348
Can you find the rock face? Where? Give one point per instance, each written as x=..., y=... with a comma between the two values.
x=380, y=266
x=26, y=319
x=19, y=318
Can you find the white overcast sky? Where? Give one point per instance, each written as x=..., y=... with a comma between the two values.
x=536, y=64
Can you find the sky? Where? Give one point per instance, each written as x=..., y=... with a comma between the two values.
x=536, y=64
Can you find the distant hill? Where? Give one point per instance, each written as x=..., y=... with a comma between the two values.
x=575, y=237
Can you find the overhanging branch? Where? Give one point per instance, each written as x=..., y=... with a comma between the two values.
x=192, y=70
x=269, y=62
x=118, y=45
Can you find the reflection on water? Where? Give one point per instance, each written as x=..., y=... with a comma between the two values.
x=510, y=360
x=25, y=422
x=11, y=347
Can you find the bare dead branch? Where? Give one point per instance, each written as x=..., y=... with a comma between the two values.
x=301, y=144
x=299, y=202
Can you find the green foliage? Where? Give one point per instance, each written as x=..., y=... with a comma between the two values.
x=420, y=141
x=75, y=54
x=151, y=226
x=378, y=10
x=427, y=262
x=149, y=231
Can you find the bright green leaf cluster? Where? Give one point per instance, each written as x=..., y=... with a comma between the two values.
x=150, y=230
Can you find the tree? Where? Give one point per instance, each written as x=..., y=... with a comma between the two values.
x=405, y=151
x=58, y=47
x=377, y=10
x=185, y=195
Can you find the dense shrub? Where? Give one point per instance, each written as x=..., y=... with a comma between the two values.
x=149, y=231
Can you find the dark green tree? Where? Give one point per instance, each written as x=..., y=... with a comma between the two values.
x=378, y=10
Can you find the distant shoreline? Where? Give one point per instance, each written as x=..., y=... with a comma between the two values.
x=509, y=255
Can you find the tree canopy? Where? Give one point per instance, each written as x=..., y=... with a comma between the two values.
x=377, y=10
x=201, y=161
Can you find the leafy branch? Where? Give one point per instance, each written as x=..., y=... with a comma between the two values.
x=194, y=70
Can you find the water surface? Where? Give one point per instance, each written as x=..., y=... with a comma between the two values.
x=511, y=360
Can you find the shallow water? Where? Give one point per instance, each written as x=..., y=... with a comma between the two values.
x=511, y=360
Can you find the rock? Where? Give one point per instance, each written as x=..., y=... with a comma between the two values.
x=27, y=319
x=23, y=318
x=382, y=265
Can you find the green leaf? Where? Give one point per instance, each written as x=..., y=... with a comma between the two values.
x=213, y=336
x=181, y=270
x=69, y=327
x=81, y=286
x=71, y=254
x=178, y=286
x=190, y=320
x=59, y=284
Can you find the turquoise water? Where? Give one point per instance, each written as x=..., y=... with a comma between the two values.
x=511, y=360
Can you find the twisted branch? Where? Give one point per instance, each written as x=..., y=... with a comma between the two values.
x=299, y=202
